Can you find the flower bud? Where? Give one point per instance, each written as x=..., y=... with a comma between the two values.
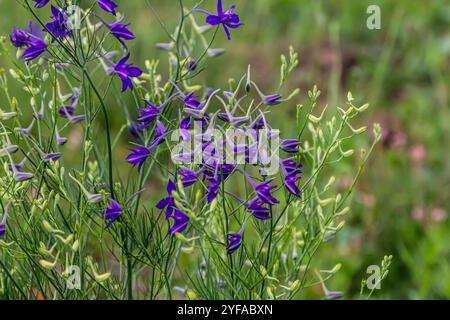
x=48, y=265
x=102, y=277
x=191, y=295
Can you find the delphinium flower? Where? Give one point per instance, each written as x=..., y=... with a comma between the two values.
x=10, y=148
x=3, y=222
x=108, y=6
x=68, y=111
x=47, y=157
x=151, y=113
x=193, y=106
x=140, y=154
x=36, y=47
x=234, y=242
x=235, y=239
x=119, y=30
x=19, y=38
x=18, y=166
x=228, y=116
x=228, y=19
x=258, y=210
x=215, y=52
x=185, y=126
x=25, y=131
x=264, y=190
x=181, y=221
x=290, y=145
x=32, y=39
x=125, y=71
x=19, y=176
x=270, y=100
x=58, y=27
x=292, y=172
x=60, y=141
x=40, y=3
x=92, y=198
x=190, y=100
x=334, y=295
x=213, y=188
x=189, y=176
x=112, y=212
x=168, y=203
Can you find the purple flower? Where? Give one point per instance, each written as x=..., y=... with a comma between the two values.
x=292, y=174
x=334, y=295
x=112, y=212
x=290, y=182
x=228, y=19
x=36, y=47
x=108, y=6
x=234, y=242
x=52, y=156
x=19, y=38
x=269, y=100
x=191, y=101
x=58, y=27
x=25, y=131
x=185, y=126
x=189, y=176
x=119, y=30
x=213, y=188
x=263, y=190
x=169, y=202
x=3, y=223
x=257, y=209
x=60, y=141
x=138, y=156
x=22, y=176
x=77, y=119
x=235, y=239
x=181, y=222
x=192, y=65
x=150, y=114
x=67, y=111
x=289, y=165
x=31, y=38
x=272, y=100
x=215, y=52
x=290, y=146
x=161, y=133
x=124, y=71
x=40, y=3
x=18, y=176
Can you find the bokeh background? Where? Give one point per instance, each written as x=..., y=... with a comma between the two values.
x=402, y=203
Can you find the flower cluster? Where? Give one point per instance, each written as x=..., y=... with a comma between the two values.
x=214, y=168
x=32, y=44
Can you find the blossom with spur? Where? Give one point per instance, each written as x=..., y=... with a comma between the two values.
x=3, y=222
x=124, y=70
x=181, y=221
x=40, y=3
x=112, y=212
x=119, y=30
x=228, y=19
x=59, y=25
x=108, y=6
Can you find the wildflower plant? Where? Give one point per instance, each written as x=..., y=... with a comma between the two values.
x=245, y=207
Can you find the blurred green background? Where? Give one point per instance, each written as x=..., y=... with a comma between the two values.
x=402, y=203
